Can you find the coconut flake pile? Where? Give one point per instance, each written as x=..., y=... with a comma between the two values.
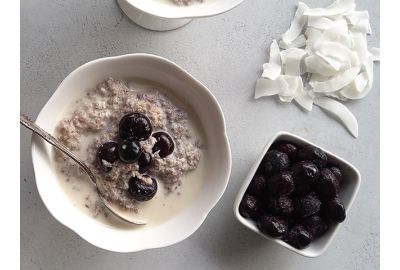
x=322, y=59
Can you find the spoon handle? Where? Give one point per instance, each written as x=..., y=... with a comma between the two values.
x=53, y=141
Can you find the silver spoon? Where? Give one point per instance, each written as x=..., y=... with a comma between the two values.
x=53, y=141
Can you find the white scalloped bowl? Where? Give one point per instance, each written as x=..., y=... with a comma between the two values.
x=159, y=16
x=217, y=158
x=349, y=189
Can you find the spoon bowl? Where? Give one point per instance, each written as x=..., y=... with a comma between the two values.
x=25, y=121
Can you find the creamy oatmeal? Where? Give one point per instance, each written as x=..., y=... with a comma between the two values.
x=93, y=122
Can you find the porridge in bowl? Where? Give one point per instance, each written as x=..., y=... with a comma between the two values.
x=144, y=146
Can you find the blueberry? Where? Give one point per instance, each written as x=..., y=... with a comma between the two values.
x=164, y=145
x=272, y=225
x=107, y=154
x=135, y=125
x=143, y=188
x=129, y=150
x=336, y=210
x=258, y=185
x=302, y=188
x=248, y=207
x=281, y=205
x=307, y=205
x=287, y=148
x=305, y=172
x=145, y=162
x=274, y=161
x=298, y=237
x=280, y=184
x=316, y=226
x=313, y=154
x=326, y=186
x=337, y=172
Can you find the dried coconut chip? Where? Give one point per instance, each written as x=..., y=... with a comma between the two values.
x=305, y=101
x=336, y=82
x=273, y=69
x=291, y=61
x=339, y=7
x=294, y=88
x=339, y=111
x=266, y=87
x=359, y=21
x=359, y=45
x=338, y=33
x=299, y=42
x=362, y=84
x=336, y=55
x=287, y=87
x=316, y=65
x=312, y=35
x=297, y=25
x=321, y=23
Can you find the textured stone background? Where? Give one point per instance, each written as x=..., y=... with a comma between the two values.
x=225, y=53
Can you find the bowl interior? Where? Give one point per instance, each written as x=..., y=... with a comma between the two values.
x=350, y=185
x=216, y=155
x=166, y=10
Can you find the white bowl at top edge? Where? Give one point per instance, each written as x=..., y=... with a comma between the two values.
x=217, y=157
x=349, y=189
x=160, y=16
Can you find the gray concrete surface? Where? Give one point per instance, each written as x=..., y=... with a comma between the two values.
x=225, y=53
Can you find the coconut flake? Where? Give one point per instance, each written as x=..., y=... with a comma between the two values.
x=291, y=61
x=321, y=23
x=287, y=87
x=359, y=45
x=339, y=7
x=359, y=21
x=316, y=65
x=266, y=87
x=294, y=88
x=273, y=69
x=339, y=111
x=336, y=82
x=338, y=56
x=312, y=35
x=297, y=25
x=299, y=42
x=338, y=33
x=362, y=84
x=305, y=101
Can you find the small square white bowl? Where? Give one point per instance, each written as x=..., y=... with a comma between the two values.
x=349, y=189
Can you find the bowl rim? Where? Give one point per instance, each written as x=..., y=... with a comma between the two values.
x=36, y=143
x=251, y=174
x=183, y=12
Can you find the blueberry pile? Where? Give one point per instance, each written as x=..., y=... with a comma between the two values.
x=133, y=128
x=294, y=194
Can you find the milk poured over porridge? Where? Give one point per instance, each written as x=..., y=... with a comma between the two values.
x=93, y=120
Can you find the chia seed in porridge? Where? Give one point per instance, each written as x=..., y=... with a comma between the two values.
x=94, y=122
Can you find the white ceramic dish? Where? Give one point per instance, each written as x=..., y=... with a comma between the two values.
x=183, y=86
x=350, y=186
x=159, y=16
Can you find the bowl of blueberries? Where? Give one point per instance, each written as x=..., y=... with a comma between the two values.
x=297, y=194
